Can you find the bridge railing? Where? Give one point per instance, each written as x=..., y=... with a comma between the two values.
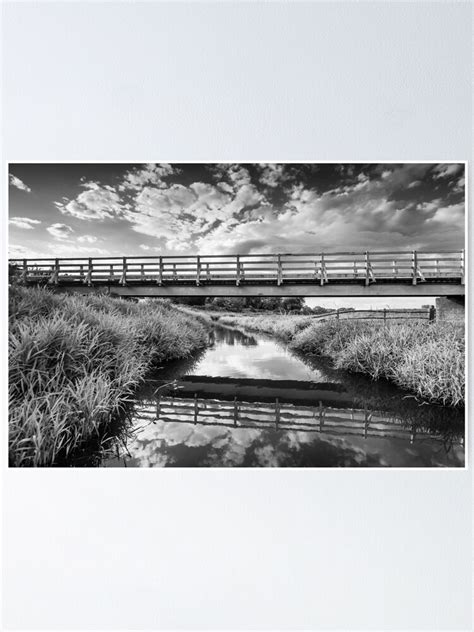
x=323, y=268
x=276, y=415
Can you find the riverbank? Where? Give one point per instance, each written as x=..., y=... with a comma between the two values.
x=425, y=359
x=74, y=361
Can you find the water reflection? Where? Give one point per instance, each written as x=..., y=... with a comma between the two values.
x=233, y=353
x=247, y=401
x=184, y=429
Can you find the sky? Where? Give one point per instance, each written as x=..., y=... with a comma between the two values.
x=145, y=209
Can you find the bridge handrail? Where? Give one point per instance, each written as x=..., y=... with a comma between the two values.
x=322, y=267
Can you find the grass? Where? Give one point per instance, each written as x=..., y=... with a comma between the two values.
x=427, y=359
x=74, y=361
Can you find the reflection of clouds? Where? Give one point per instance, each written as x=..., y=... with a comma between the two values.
x=173, y=443
x=267, y=360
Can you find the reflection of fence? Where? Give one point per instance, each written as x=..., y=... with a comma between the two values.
x=427, y=313
x=324, y=268
x=277, y=416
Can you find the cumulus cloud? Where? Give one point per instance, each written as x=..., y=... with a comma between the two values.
x=97, y=202
x=150, y=174
x=272, y=175
x=24, y=222
x=230, y=208
x=60, y=231
x=19, y=184
x=364, y=214
x=446, y=170
x=87, y=239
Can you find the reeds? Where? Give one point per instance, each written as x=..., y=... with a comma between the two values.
x=427, y=359
x=73, y=361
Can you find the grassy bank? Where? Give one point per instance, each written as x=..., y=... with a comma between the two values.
x=73, y=361
x=425, y=359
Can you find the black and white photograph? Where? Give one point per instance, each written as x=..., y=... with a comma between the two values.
x=237, y=315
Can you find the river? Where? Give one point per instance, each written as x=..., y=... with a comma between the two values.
x=248, y=401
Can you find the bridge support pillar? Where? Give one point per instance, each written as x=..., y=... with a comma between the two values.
x=450, y=308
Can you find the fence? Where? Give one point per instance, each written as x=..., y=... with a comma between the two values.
x=425, y=313
x=356, y=267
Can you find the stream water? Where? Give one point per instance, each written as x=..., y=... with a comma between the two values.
x=247, y=400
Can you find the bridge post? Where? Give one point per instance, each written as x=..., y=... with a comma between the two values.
x=160, y=271
x=323, y=269
x=280, y=271
x=198, y=270
x=321, y=416
x=367, y=268
x=415, y=267
x=236, y=411
x=88, y=278
x=462, y=266
x=367, y=419
x=123, y=280
x=277, y=413
x=196, y=409
x=55, y=276
x=237, y=276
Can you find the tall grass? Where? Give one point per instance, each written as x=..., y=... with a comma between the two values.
x=427, y=359
x=73, y=361
x=282, y=326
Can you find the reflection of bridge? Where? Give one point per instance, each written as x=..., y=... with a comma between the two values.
x=277, y=416
x=289, y=405
x=324, y=274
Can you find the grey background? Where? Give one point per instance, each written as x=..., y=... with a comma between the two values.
x=217, y=549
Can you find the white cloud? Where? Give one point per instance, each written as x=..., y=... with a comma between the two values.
x=362, y=215
x=272, y=175
x=150, y=174
x=96, y=202
x=24, y=222
x=17, y=251
x=446, y=170
x=87, y=239
x=60, y=231
x=19, y=184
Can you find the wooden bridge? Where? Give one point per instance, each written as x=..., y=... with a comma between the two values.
x=281, y=416
x=325, y=274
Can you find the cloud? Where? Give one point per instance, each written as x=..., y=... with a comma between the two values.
x=446, y=170
x=24, y=222
x=87, y=239
x=60, y=231
x=19, y=184
x=18, y=251
x=272, y=175
x=97, y=202
x=364, y=214
x=150, y=174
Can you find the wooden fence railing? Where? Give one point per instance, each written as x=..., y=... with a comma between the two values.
x=425, y=313
x=277, y=416
x=358, y=267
